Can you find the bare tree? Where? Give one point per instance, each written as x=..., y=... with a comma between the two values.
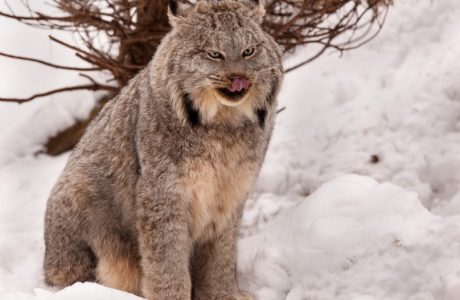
x=119, y=37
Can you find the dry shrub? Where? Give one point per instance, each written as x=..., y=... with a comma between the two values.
x=131, y=30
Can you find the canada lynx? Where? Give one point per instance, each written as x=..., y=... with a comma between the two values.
x=151, y=198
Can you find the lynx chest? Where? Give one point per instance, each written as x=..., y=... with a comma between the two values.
x=216, y=185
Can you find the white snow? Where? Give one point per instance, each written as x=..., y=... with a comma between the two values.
x=354, y=237
x=62, y=111
x=310, y=231
x=78, y=291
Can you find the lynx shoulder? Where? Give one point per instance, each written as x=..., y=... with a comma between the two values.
x=150, y=200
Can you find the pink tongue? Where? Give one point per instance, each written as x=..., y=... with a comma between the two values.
x=239, y=84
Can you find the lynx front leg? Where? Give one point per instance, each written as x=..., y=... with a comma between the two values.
x=165, y=245
x=214, y=267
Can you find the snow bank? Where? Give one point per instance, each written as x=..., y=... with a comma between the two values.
x=78, y=291
x=354, y=239
x=54, y=115
x=24, y=188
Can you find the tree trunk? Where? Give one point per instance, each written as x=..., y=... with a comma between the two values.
x=135, y=49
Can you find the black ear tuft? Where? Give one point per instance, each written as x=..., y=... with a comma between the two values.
x=173, y=7
x=177, y=10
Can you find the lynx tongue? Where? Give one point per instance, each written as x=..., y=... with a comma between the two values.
x=239, y=84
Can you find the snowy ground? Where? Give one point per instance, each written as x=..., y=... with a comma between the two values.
x=388, y=111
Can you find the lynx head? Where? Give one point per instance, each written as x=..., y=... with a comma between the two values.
x=220, y=63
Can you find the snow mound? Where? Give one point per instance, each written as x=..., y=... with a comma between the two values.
x=354, y=239
x=77, y=291
x=59, y=113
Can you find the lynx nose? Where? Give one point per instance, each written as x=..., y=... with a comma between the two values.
x=239, y=84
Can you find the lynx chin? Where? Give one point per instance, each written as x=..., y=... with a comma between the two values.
x=151, y=198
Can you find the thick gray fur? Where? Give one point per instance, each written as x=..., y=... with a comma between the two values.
x=151, y=198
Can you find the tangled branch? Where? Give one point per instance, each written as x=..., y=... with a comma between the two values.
x=120, y=36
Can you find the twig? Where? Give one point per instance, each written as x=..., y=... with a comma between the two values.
x=91, y=87
x=49, y=64
x=318, y=54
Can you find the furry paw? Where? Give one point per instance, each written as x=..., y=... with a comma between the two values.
x=237, y=296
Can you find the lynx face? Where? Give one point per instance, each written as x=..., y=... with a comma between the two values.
x=229, y=64
x=224, y=54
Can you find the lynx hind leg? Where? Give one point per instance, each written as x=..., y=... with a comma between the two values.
x=67, y=262
x=237, y=296
x=120, y=273
x=118, y=264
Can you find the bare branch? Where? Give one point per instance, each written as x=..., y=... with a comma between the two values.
x=91, y=87
x=318, y=54
x=49, y=64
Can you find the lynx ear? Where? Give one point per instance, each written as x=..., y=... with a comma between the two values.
x=257, y=10
x=177, y=10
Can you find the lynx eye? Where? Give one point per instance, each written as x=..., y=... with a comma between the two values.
x=249, y=52
x=215, y=55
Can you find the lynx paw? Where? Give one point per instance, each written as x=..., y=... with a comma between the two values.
x=237, y=296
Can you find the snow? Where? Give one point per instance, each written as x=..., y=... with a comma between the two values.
x=24, y=186
x=62, y=111
x=354, y=237
x=389, y=112
x=77, y=291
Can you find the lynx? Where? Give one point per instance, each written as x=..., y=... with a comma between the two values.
x=151, y=198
